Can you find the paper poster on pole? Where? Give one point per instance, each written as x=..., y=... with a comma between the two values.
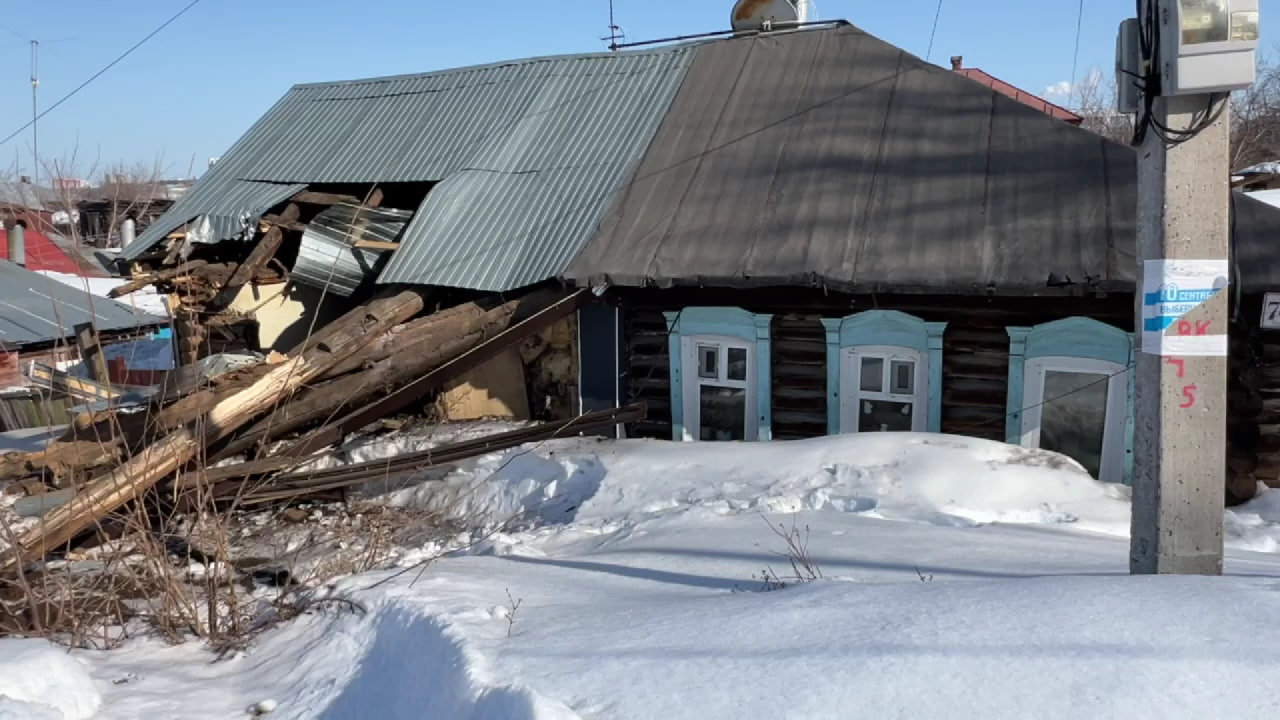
x=1175, y=319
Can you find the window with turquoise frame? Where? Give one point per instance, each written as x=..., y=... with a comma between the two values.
x=1071, y=391
x=884, y=373
x=720, y=377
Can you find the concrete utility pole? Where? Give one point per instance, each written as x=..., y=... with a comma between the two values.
x=1180, y=400
x=1194, y=53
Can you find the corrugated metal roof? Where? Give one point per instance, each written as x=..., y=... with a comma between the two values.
x=35, y=309
x=525, y=154
x=831, y=157
x=230, y=204
x=327, y=256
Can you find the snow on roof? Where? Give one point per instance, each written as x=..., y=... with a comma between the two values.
x=1270, y=197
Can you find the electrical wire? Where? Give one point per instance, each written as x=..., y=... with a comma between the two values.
x=937, y=13
x=99, y=74
x=1075, y=56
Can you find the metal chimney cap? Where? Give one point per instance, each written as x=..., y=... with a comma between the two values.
x=957, y=62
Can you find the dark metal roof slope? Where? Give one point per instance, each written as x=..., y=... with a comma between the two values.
x=523, y=152
x=35, y=309
x=831, y=157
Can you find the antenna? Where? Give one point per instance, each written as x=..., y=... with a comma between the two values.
x=35, y=137
x=615, y=32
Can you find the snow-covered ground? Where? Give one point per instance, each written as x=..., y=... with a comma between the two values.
x=960, y=579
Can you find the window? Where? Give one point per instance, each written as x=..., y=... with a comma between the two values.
x=1070, y=391
x=719, y=374
x=884, y=373
x=722, y=407
x=1077, y=407
x=885, y=398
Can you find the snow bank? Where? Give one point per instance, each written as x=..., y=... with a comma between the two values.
x=415, y=662
x=917, y=477
x=38, y=681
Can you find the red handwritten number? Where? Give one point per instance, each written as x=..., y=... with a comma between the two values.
x=1179, y=362
x=1188, y=392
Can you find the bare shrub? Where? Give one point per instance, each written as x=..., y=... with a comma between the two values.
x=796, y=543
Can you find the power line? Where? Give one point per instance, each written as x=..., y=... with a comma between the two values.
x=99, y=74
x=937, y=13
x=14, y=33
x=1075, y=56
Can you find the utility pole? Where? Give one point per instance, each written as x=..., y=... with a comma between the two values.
x=35, y=137
x=1180, y=375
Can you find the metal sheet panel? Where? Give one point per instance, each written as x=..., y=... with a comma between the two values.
x=829, y=157
x=231, y=206
x=526, y=154
x=328, y=258
x=36, y=309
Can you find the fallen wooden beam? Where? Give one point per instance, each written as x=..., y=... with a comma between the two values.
x=312, y=197
x=406, y=395
x=377, y=244
x=151, y=278
x=419, y=353
x=167, y=456
x=227, y=482
x=63, y=382
x=263, y=252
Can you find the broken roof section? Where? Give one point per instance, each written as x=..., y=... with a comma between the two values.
x=524, y=154
x=37, y=310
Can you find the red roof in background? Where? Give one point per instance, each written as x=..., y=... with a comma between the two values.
x=44, y=254
x=1018, y=94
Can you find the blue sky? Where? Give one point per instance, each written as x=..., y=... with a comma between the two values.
x=193, y=89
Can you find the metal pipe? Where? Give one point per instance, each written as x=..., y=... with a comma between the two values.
x=18, y=245
x=128, y=232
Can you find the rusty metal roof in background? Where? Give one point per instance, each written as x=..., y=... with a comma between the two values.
x=525, y=154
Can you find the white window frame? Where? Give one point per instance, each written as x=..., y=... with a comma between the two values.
x=693, y=382
x=1111, y=467
x=852, y=394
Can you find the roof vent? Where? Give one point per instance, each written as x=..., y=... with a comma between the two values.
x=761, y=14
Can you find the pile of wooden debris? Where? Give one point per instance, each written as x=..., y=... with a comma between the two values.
x=238, y=439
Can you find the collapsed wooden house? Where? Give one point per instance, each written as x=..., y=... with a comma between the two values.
x=764, y=237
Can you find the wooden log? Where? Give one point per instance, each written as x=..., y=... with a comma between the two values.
x=59, y=458
x=264, y=251
x=399, y=363
x=408, y=462
x=151, y=278
x=452, y=319
x=470, y=359
x=175, y=450
x=312, y=197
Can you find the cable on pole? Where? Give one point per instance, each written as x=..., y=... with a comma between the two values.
x=99, y=74
x=936, y=14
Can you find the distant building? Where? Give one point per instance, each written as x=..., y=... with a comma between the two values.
x=1022, y=96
